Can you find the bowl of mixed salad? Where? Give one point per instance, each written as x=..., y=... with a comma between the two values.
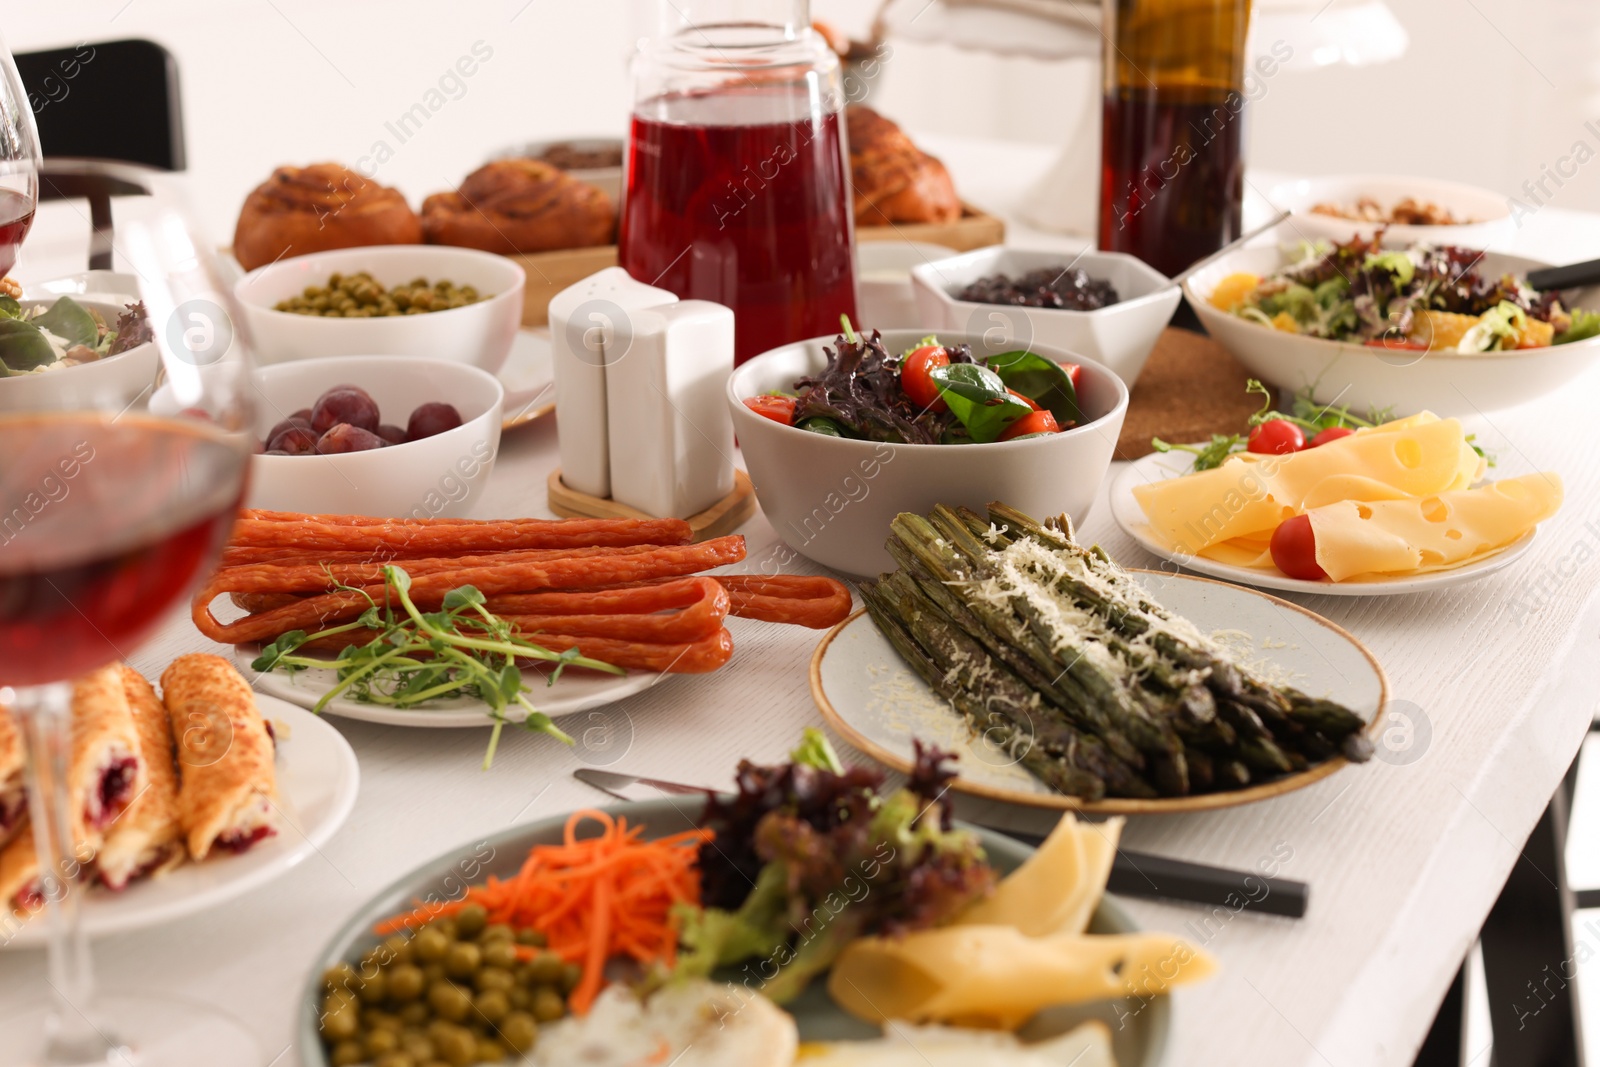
x=69, y=351
x=840, y=434
x=1371, y=323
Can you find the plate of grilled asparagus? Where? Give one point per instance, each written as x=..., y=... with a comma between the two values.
x=1063, y=680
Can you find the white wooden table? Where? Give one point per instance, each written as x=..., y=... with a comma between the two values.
x=1404, y=858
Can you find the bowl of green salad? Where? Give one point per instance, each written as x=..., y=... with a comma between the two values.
x=1371, y=323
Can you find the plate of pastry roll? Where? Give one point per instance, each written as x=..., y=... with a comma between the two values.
x=182, y=797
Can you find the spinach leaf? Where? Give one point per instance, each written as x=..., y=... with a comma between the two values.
x=1041, y=380
x=70, y=321
x=977, y=397
x=23, y=347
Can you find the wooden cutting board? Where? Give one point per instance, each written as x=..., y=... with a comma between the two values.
x=1190, y=388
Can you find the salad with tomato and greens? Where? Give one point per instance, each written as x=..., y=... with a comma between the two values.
x=1422, y=298
x=930, y=394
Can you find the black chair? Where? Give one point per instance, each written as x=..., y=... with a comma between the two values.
x=114, y=100
x=109, y=100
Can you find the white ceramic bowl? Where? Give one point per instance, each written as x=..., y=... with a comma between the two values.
x=479, y=334
x=1120, y=336
x=1490, y=215
x=109, y=383
x=442, y=475
x=1340, y=372
x=884, y=297
x=832, y=499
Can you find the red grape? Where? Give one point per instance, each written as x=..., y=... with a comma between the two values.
x=286, y=423
x=304, y=415
x=296, y=441
x=430, y=419
x=392, y=433
x=347, y=405
x=275, y=452
x=346, y=438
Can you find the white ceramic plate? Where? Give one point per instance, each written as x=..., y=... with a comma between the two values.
x=529, y=378
x=879, y=704
x=317, y=782
x=1158, y=465
x=576, y=691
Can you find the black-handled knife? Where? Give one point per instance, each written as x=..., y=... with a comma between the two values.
x=1569, y=277
x=1134, y=874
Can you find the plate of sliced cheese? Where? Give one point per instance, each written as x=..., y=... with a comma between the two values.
x=1403, y=507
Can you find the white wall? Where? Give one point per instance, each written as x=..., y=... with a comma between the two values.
x=1490, y=90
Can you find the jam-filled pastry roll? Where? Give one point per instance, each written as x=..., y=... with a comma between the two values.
x=13, y=788
x=20, y=888
x=147, y=840
x=106, y=771
x=225, y=754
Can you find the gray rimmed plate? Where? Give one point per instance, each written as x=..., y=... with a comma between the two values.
x=1139, y=1028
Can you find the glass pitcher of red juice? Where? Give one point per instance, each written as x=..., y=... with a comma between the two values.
x=737, y=185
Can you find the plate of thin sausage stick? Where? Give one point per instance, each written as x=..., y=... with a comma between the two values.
x=613, y=605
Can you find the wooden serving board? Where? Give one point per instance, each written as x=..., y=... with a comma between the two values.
x=550, y=272
x=723, y=517
x=1190, y=388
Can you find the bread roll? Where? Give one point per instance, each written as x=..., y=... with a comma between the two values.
x=515, y=206
x=13, y=788
x=895, y=181
x=317, y=208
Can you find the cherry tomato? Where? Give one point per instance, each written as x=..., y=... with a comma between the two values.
x=1074, y=372
x=1026, y=400
x=1396, y=344
x=914, y=376
x=1332, y=433
x=776, y=408
x=1032, y=422
x=1294, y=549
x=1276, y=437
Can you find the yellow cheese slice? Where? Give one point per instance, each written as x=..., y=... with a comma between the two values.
x=997, y=976
x=1057, y=889
x=1250, y=494
x=1430, y=533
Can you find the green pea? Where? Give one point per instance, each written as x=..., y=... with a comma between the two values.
x=449, y=1001
x=341, y=1024
x=471, y=920
x=548, y=1006
x=417, y=1013
x=406, y=982
x=395, y=1058
x=571, y=975
x=347, y=1054
x=495, y=978
x=520, y=1031
x=531, y=936
x=463, y=958
x=491, y=1005
x=545, y=969
x=430, y=944
x=378, y=1042
x=500, y=953
x=457, y=1046
x=490, y=1050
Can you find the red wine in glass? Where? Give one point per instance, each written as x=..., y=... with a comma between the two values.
x=742, y=197
x=16, y=218
x=106, y=527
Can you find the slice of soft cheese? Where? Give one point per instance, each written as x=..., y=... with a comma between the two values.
x=997, y=976
x=1430, y=533
x=584, y=319
x=1250, y=494
x=1056, y=889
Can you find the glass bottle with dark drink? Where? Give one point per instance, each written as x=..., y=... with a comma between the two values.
x=1172, y=136
x=737, y=184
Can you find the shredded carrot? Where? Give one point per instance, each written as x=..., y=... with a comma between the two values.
x=594, y=898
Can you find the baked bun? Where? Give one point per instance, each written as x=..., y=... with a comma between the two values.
x=316, y=208
x=895, y=181
x=520, y=205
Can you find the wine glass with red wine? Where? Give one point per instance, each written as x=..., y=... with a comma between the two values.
x=110, y=515
x=19, y=164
